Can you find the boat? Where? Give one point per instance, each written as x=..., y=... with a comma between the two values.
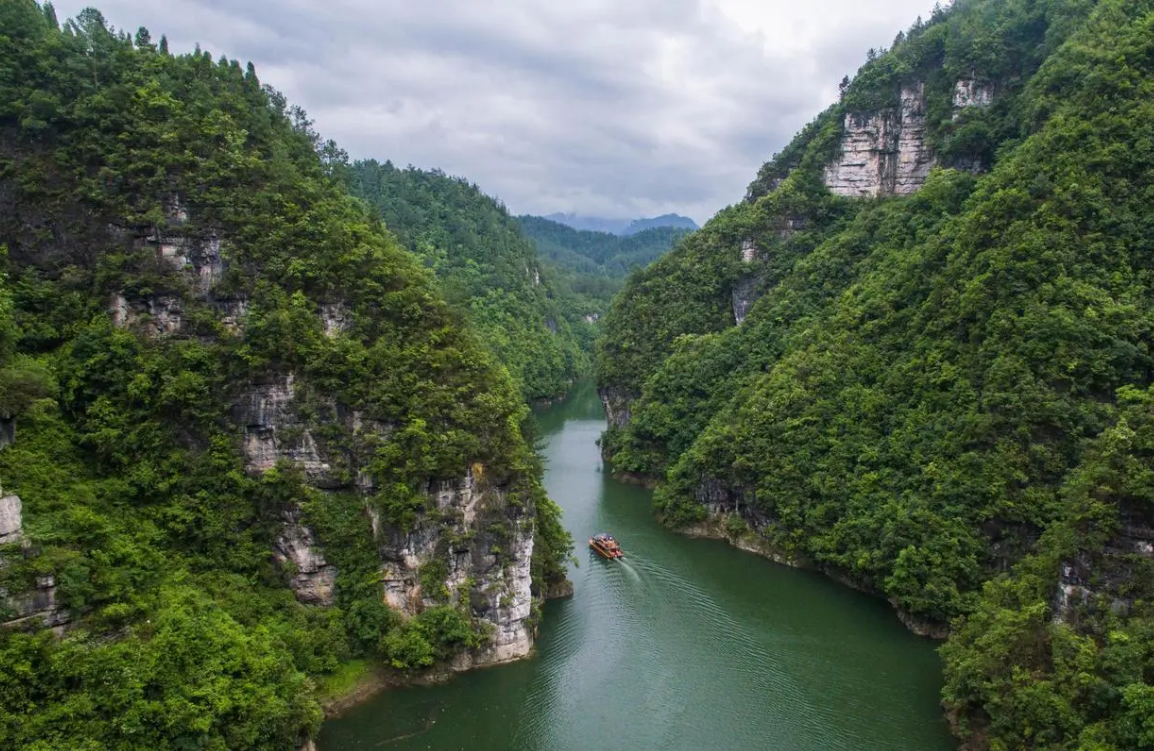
x=605, y=545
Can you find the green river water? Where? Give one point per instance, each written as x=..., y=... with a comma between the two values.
x=684, y=645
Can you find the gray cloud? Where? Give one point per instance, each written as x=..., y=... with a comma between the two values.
x=602, y=107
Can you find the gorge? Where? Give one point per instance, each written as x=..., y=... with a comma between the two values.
x=265, y=422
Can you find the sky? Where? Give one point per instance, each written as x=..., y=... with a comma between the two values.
x=613, y=108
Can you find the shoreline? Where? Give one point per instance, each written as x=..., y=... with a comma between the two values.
x=713, y=528
x=379, y=677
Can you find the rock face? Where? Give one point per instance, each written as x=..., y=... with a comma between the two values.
x=273, y=432
x=884, y=153
x=743, y=295
x=313, y=580
x=487, y=569
x=971, y=93
x=618, y=403
x=472, y=547
x=35, y=605
x=11, y=522
x=1101, y=577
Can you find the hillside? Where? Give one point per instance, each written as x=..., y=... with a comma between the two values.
x=622, y=226
x=593, y=265
x=529, y=318
x=917, y=357
x=245, y=445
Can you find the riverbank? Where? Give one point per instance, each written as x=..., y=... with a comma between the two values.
x=717, y=527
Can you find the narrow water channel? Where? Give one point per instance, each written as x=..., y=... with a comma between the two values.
x=685, y=645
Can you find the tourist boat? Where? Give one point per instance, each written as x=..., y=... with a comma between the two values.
x=606, y=546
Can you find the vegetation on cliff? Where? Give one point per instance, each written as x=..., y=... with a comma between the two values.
x=529, y=318
x=940, y=395
x=173, y=239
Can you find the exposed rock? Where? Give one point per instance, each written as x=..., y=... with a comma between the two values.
x=744, y=295
x=11, y=522
x=592, y=318
x=487, y=570
x=152, y=316
x=335, y=317
x=274, y=432
x=231, y=314
x=971, y=93
x=313, y=579
x=748, y=251
x=1103, y=578
x=618, y=404
x=884, y=153
x=34, y=607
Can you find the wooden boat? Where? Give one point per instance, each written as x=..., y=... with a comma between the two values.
x=606, y=546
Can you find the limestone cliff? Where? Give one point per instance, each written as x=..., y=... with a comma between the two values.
x=480, y=542
x=887, y=152
x=884, y=153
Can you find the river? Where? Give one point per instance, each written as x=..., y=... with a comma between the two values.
x=683, y=645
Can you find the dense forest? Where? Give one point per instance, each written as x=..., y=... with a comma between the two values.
x=594, y=264
x=228, y=399
x=529, y=315
x=622, y=226
x=600, y=252
x=917, y=356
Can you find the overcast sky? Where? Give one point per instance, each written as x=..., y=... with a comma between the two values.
x=617, y=108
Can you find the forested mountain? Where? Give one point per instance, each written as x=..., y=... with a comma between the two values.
x=622, y=226
x=244, y=441
x=528, y=317
x=918, y=356
x=599, y=252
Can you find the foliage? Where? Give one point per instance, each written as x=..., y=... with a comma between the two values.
x=602, y=253
x=487, y=267
x=131, y=179
x=924, y=381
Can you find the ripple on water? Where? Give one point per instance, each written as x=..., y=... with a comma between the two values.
x=684, y=645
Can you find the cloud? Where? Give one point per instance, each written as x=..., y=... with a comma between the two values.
x=601, y=107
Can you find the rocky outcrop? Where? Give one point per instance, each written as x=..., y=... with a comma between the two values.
x=311, y=577
x=472, y=549
x=34, y=605
x=274, y=432
x=884, y=153
x=972, y=93
x=618, y=403
x=152, y=316
x=11, y=521
x=485, y=546
x=743, y=296
x=335, y=317
x=7, y=431
x=1103, y=578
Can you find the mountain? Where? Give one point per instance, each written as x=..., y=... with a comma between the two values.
x=917, y=357
x=247, y=448
x=593, y=265
x=488, y=267
x=599, y=252
x=675, y=221
x=621, y=226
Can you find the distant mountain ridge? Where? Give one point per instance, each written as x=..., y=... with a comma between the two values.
x=622, y=227
x=599, y=253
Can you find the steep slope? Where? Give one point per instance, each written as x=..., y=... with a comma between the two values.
x=599, y=252
x=530, y=320
x=243, y=440
x=911, y=358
